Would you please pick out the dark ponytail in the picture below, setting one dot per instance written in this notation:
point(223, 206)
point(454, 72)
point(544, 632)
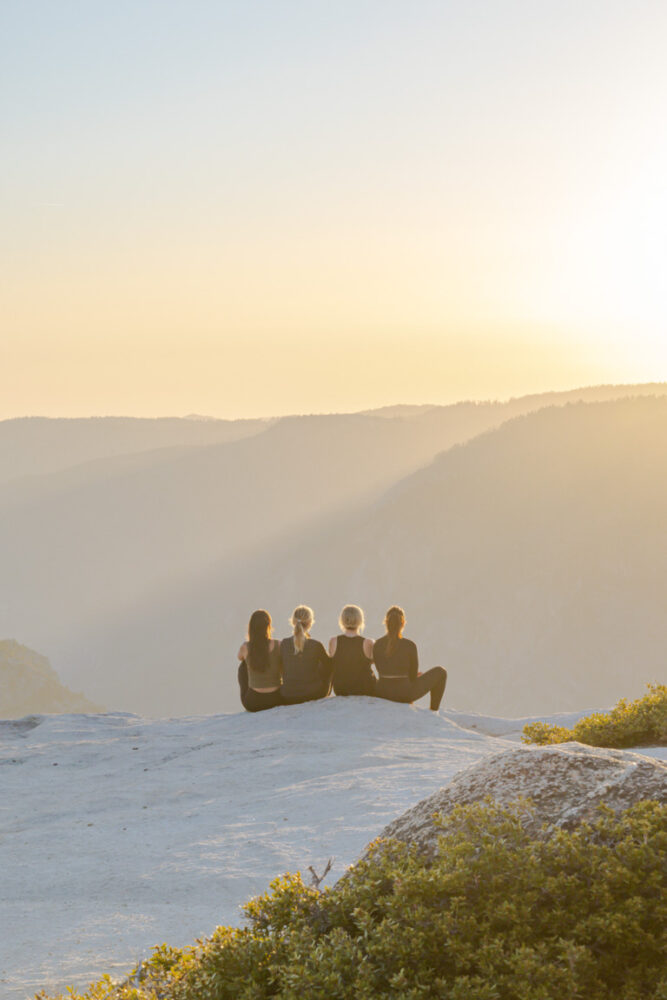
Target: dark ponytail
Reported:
point(259, 633)
point(394, 622)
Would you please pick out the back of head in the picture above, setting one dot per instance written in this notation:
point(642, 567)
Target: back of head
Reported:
point(302, 621)
point(351, 617)
point(259, 634)
point(394, 622)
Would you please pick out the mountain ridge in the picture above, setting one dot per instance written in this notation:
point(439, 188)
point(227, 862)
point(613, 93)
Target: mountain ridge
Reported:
point(38, 435)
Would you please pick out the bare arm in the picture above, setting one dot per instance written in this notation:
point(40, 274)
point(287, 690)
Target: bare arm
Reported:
point(243, 651)
point(368, 648)
point(272, 646)
point(325, 663)
point(413, 669)
point(332, 645)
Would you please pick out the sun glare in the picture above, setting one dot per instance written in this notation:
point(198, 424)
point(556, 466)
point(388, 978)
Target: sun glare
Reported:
point(607, 279)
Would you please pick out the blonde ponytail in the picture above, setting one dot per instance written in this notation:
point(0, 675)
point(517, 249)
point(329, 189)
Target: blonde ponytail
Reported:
point(302, 621)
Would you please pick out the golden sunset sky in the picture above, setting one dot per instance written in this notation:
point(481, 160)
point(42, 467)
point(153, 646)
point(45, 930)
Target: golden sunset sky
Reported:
point(254, 208)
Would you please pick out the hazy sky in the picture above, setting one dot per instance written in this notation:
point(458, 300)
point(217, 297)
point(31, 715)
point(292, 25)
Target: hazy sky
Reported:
point(247, 208)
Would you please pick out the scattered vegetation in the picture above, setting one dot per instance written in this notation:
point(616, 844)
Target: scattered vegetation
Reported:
point(499, 914)
point(629, 724)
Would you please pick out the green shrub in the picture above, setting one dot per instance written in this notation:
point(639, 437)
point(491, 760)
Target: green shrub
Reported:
point(497, 915)
point(629, 724)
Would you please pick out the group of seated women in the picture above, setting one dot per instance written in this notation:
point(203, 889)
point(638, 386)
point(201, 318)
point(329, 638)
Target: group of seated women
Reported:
point(299, 669)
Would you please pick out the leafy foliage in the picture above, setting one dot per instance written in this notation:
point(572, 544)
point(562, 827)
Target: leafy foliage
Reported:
point(499, 914)
point(629, 724)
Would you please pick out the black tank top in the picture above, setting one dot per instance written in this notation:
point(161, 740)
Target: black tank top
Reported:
point(352, 672)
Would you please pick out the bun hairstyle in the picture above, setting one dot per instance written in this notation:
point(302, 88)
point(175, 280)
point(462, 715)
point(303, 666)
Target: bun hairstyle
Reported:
point(302, 621)
point(259, 634)
point(351, 617)
point(394, 622)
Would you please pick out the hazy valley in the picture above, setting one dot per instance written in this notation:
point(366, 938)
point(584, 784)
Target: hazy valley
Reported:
point(525, 541)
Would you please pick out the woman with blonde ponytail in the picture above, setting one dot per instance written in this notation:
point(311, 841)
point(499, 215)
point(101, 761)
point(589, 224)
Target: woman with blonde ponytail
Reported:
point(306, 666)
point(398, 667)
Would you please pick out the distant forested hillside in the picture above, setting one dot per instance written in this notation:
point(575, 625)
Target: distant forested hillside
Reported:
point(529, 553)
point(34, 446)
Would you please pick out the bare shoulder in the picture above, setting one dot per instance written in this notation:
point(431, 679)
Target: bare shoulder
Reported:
point(243, 651)
point(333, 642)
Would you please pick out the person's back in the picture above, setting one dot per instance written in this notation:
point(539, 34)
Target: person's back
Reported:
point(352, 673)
point(306, 674)
point(268, 678)
point(396, 658)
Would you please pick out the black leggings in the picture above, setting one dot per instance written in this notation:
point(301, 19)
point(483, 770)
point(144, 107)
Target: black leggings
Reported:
point(256, 701)
point(364, 685)
point(404, 690)
point(317, 691)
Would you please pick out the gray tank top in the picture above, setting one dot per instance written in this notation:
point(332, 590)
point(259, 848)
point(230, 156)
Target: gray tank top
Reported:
point(271, 677)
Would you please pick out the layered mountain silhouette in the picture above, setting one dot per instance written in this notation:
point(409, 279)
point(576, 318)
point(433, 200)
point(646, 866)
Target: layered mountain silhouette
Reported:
point(531, 558)
point(38, 445)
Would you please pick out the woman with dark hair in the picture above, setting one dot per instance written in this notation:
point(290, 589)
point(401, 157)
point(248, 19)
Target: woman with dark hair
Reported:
point(398, 667)
point(306, 666)
point(260, 672)
point(352, 655)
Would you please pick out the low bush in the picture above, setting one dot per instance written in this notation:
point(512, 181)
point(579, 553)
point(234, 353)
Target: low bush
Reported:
point(499, 914)
point(629, 724)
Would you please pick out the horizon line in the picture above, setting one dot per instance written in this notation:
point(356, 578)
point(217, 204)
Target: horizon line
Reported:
point(346, 413)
